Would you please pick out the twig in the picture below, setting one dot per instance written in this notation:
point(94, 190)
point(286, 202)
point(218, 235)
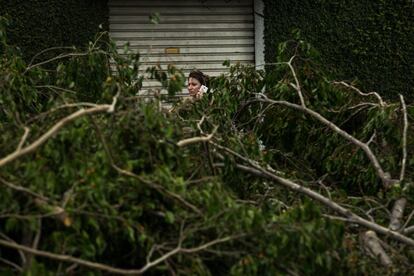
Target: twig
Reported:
point(79, 104)
point(410, 216)
point(381, 102)
point(54, 87)
point(199, 123)
point(22, 189)
point(338, 218)
point(205, 246)
point(15, 266)
point(61, 56)
point(113, 270)
point(371, 139)
point(48, 49)
point(21, 253)
point(408, 230)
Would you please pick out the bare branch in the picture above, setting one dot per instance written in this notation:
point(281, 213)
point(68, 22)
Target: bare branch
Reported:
point(404, 138)
point(381, 102)
point(22, 189)
point(199, 139)
point(296, 86)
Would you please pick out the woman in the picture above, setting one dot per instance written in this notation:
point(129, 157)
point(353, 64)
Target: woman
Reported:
point(197, 84)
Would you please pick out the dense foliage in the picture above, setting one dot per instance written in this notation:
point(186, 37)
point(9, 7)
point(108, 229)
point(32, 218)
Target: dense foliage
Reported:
point(38, 25)
point(367, 41)
point(121, 182)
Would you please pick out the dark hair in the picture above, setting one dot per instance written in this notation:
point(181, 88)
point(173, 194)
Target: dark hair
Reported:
point(198, 75)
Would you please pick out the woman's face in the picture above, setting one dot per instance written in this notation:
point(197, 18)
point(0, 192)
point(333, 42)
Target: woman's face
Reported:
point(193, 86)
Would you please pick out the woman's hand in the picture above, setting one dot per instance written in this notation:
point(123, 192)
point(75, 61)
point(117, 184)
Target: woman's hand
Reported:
point(199, 94)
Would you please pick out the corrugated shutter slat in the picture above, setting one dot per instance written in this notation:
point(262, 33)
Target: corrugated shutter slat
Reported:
point(204, 33)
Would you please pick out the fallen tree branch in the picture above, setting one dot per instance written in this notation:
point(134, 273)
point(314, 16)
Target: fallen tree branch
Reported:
point(386, 180)
point(254, 168)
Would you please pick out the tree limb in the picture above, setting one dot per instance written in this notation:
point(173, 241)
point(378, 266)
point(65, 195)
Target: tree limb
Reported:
point(258, 170)
point(55, 128)
point(386, 180)
point(52, 131)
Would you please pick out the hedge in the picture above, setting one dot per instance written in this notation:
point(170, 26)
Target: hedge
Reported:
point(39, 24)
point(370, 42)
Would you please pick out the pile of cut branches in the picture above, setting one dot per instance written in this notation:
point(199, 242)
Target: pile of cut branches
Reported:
point(286, 172)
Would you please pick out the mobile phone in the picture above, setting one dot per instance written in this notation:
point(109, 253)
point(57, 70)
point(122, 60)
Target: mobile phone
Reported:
point(203, 89)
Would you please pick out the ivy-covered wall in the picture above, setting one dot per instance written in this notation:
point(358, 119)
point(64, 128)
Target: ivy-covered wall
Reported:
point(371, 41)
point(40, 24)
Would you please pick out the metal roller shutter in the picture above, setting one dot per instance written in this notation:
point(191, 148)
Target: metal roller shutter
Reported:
point(192, 34)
